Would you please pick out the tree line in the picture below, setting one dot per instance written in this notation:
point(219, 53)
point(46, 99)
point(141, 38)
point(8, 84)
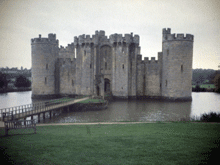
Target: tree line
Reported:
point(21, 81)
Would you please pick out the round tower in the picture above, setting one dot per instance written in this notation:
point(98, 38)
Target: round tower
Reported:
point(44, 52)
point(177, 65)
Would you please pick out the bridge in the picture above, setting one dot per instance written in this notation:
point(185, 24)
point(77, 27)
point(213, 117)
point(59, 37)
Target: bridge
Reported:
point(29, 110)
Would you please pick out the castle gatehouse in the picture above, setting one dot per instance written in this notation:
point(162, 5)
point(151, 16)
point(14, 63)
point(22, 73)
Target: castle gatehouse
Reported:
point(113, 65)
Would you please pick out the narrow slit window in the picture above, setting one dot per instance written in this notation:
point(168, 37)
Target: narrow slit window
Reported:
point(45, 80)
point(123, 66)
point(46, 66)
point(90, 66)
point(166, 83)
point(181, 68)
point(168, 52)
point(72, 83)
point(105, 65)
point(84, 53)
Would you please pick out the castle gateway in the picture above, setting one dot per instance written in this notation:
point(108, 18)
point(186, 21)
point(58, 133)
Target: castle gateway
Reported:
point(99, 65)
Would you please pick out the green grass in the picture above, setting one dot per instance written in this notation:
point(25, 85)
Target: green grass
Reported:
point(154, 143)
point(66, 99)
point(92, 101)
point(212, 86)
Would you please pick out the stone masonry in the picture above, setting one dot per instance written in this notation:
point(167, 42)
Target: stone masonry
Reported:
point(99, 65)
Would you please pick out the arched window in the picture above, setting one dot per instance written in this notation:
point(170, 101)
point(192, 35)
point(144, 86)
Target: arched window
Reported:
point(123, 66)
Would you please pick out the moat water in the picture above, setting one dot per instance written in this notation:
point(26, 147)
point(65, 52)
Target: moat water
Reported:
point(127, 110)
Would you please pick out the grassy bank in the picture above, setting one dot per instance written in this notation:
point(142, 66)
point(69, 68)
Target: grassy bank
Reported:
point(154, 143)
point(93, 101)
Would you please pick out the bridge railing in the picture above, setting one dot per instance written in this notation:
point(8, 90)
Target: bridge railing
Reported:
point(28, 108)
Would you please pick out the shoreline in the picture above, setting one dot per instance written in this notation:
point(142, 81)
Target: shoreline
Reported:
point(14, 90)
point(111, 123)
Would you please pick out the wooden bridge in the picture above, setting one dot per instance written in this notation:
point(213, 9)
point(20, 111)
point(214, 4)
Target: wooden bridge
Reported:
point(23, 111)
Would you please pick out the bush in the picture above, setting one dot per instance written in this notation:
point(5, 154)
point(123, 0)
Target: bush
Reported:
point(22, 81)
point(211, 117)
point(3, 80)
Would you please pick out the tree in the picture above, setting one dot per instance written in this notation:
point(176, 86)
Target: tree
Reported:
point(22, 81)
point(3, 80)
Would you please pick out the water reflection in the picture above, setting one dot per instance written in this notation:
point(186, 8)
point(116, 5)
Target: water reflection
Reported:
point(127, 110)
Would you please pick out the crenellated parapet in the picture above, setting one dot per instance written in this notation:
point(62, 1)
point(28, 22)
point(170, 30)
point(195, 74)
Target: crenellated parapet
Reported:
point(95, 39)
point(128, 38)
point(67, 52)
point(100, 37)
point(68, 48)
point(51, 39)
point(151, 61)
point(167, 36)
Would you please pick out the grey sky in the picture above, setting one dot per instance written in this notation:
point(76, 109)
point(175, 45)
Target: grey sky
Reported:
point(22, 20)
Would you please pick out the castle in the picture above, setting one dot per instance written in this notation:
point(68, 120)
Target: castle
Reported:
point(99, 65)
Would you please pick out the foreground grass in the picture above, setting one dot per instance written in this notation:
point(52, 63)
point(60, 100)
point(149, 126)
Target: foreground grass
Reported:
point(154, 143)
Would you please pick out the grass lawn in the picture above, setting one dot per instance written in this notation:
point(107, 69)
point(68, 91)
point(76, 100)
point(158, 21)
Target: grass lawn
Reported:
point(212, 86)
point(153, 143)
point(92, 101)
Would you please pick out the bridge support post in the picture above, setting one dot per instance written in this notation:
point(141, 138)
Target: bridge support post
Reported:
point(50, 114)
point(25, 121)
point(43, 115)
point(32, 117)
point(39, 118)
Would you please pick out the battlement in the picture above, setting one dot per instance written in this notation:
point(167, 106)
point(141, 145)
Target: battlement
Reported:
point(177, 37)
point(68, 48)
point(147, 61)
point(100, 37)
point(166, 31)
point(139, 57)
point(51, 39)
point(128, 38)
point(51, 36)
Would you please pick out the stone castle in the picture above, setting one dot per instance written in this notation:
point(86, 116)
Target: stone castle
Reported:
point(99, 65)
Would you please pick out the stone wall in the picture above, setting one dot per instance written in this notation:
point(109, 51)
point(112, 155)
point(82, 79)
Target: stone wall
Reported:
point(67, 76)
point(121, 71)
point(152, 77)
point(140, 77)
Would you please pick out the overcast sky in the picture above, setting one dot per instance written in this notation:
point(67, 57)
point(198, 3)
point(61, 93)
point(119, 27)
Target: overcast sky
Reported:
point(21, 20)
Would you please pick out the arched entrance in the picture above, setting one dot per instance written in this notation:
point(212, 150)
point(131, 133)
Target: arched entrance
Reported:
point(107, 86)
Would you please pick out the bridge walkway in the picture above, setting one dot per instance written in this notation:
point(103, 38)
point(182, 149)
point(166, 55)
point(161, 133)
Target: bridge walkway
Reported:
point(15, 113)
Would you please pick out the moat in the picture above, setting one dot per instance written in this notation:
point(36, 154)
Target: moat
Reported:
point(127, 110)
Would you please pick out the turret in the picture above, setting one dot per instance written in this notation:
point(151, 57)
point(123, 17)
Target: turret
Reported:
point(44, 52)
point(177, 55)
